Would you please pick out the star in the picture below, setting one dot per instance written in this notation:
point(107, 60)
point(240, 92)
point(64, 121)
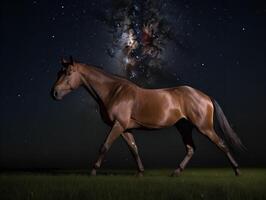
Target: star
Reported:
point(203, 66)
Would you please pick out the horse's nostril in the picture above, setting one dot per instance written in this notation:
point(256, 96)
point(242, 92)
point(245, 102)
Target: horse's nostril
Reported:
point(55, 93)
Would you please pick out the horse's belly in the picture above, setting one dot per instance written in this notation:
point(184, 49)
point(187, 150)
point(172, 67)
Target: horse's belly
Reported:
point(157, 118)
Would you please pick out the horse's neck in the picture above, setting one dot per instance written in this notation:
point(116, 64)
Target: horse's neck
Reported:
point(97, 82)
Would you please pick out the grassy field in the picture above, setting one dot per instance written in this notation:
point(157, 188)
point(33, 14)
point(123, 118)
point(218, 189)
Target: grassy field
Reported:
point(156, 184)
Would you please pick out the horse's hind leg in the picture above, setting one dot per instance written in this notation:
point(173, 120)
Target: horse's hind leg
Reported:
point(128, 137)
point(185, 129)
point(211, 134)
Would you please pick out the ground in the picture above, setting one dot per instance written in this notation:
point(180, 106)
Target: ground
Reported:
point(122, 184)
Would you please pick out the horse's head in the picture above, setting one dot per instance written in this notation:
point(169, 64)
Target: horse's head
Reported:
point(68, 79)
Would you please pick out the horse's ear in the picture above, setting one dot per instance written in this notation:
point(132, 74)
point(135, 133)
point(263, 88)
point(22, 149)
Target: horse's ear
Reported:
point(63, 61)
point(71, 61)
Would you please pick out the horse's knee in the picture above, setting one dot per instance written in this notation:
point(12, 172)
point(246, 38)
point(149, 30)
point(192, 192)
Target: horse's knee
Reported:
point(103, 149)
point(190, 150)
point(134, 146)
point(222, 146)
point(135, 152)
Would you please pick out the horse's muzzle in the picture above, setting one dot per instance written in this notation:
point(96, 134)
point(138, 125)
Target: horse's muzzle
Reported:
point(55, 94)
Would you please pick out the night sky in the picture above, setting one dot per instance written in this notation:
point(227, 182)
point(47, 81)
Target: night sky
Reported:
point(218, 47)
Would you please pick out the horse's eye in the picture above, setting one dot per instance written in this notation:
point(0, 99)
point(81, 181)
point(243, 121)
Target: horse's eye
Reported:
point(68, 73)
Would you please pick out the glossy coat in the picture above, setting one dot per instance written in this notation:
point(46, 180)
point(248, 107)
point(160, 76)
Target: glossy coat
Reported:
point(126, 106)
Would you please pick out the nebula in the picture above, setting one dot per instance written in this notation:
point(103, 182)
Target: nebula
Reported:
point(140, 32)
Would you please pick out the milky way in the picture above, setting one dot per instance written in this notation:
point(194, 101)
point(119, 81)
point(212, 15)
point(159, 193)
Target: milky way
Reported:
point(141, 31)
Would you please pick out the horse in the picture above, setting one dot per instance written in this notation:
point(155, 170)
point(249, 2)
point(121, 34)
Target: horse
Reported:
point(126, 106)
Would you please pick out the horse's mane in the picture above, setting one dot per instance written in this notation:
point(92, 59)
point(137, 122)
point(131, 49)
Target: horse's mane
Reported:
point(111, 75)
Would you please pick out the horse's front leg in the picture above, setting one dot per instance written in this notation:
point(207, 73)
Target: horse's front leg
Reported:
point(116, 131)
point(128, 137)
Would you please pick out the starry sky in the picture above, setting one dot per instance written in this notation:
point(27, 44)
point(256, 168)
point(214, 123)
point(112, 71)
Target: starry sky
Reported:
point(218, 47)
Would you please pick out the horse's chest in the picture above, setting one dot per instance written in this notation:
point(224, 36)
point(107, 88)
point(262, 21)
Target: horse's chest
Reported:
point(119, 109)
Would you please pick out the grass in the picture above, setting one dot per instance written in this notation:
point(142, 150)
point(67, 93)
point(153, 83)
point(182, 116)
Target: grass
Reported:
point(156, 184)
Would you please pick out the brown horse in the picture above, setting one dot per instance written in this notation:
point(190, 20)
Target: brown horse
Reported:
point(126, 106)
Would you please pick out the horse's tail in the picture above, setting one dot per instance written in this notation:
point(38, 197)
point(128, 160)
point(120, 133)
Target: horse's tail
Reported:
point(228, 132)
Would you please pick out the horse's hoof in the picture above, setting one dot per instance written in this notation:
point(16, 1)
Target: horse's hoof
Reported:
point(176, 173)
point(139, 174)
point(93, 172)
point(237, 172)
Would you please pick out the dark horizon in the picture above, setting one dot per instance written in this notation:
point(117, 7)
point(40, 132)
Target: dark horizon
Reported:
point(224, 57)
